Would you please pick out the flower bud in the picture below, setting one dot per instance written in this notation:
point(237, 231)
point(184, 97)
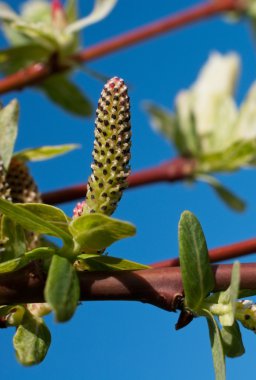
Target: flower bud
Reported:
point(246, 314)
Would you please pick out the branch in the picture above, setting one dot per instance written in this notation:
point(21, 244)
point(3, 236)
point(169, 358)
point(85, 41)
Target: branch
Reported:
point(36, 73)
point(160, 287)
point(226, 252)
point(171, 171)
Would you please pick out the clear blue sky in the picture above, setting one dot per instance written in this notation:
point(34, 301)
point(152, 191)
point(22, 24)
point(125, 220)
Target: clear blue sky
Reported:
point(118, 340)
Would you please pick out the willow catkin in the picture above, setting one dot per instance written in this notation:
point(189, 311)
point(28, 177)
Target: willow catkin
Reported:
point(111, 154)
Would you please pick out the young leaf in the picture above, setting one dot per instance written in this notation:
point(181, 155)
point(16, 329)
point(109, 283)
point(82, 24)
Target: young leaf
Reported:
point(44, 152)
point(32, 222)
point(49, 213)
point(71, 10)
point(62, 290)
point(15, 244)
point(58, 88)
point(98, 231)
point(217, 348)
point(231, 200)
point(31, 340)
point(229, 296)
point(104, 263)
point(232, 340)
point(197, 276)
point(101, 9)
point(8, 131)
point(22, 261)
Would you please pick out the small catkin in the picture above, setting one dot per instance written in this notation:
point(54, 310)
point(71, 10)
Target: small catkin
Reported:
point(111, 153)
point(246, 314)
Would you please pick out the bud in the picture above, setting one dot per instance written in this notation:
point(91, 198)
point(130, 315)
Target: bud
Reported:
point(111, 153)
point(5, 191)
point(246, 314)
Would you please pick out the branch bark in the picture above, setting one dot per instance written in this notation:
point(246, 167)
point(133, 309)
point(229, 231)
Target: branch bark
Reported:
point(226, 252)
point(160, 287)
point(171, 171)
point(38, 72)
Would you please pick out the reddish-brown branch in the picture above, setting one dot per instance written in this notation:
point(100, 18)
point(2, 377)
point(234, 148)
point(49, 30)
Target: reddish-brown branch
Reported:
point(160, 287)
point(38, 72)
point(227, 252)
point(170, 171)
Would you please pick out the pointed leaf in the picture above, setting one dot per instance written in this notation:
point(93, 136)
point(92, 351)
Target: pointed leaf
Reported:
point(49, 213)
point(232, 341)
point(197, 276)
point(104, 263)
point(98, 231)
point(217, 348)
point(71, 10)
point(229, 296)
point(8, 131)
point(32, 222)
point(62, 290)
point(231, 200)
point(31, 340)
point(67, 95)
point(45, 152)
point(101, 9)
point(20, 262)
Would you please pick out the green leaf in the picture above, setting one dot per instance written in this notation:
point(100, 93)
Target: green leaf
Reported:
point(217, 348)
point(62, 290)
point(105, 263)
point(97, 231)
point(67, 95)
point(14, 237)
point(229, 296)
point(232, 341)
point(51, 214)
point(20, 262)
point(100, 10)
point(32, 222)
point(18, 57)
point(71, 10)
point(8, 131)
point(197, 276)
point(31, 340)
point(231, 200)
point(45, 152)
point(245, 293)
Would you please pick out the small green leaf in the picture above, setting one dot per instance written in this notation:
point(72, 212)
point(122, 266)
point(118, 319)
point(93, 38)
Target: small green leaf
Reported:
point(100, 10)
point(8, 131)
point(32, 222)
point(231, 200)
point(71, 10)
point(229, 296)
point(31, 340)
point(245, 293)
point(14, 237)
point(197, 276)
point(232, 341)
point(20, 262)
point(62, 290)
point(105, 263)
point(44, 152)
point(217, 348)
point(51, 214)
point(97, 231)
point(59, 89)
point(18, 57)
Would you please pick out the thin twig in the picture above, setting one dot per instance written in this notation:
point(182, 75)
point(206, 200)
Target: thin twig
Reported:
point(226, 252)
point(160, 287)
point(38, 72)
point(171, 171)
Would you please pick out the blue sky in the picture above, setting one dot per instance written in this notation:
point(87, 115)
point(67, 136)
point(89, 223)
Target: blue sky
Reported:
point(113, 340)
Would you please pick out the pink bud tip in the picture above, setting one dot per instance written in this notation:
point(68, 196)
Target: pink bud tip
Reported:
point(78, 210)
